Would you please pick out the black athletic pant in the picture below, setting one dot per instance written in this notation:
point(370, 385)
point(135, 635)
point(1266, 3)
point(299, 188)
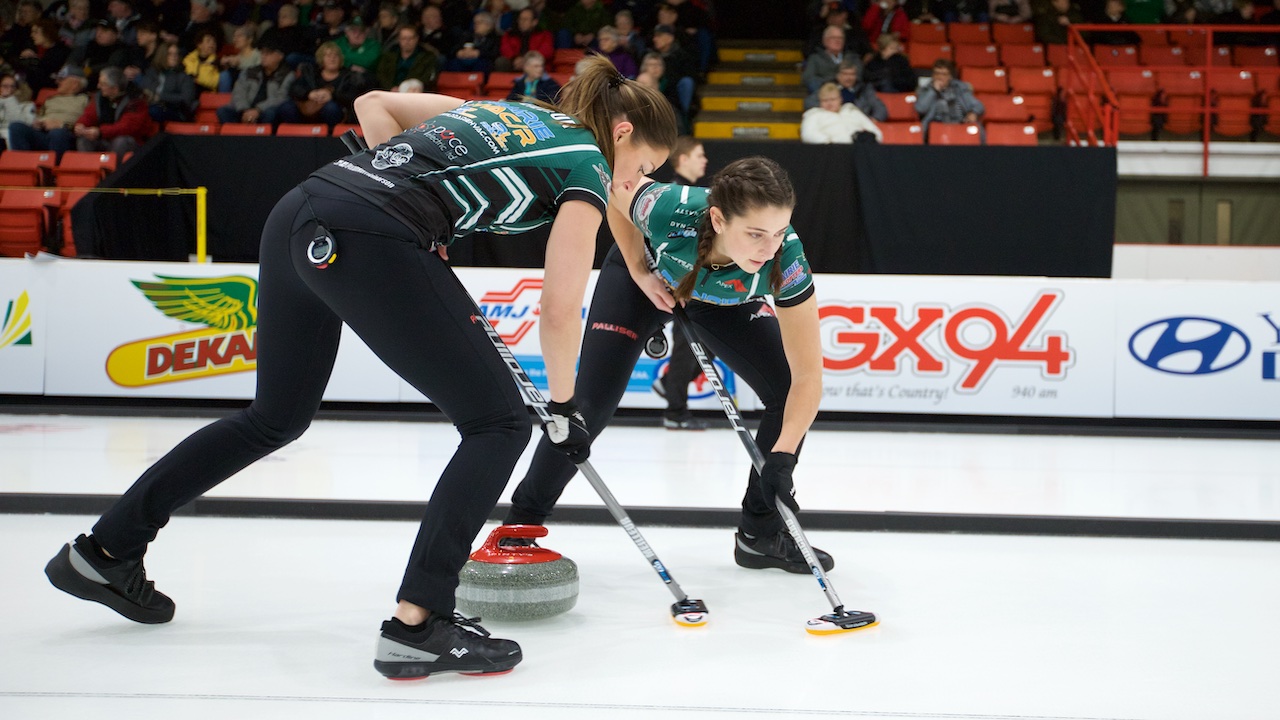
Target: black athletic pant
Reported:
point(620, 320)
point(409, 308)
point(681, 370)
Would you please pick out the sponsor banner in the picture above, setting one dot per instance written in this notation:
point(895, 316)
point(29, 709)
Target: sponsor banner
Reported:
point(990, 346)
point(509, 299)
point(1198, 350)
point(174, 330)
point(24, 326)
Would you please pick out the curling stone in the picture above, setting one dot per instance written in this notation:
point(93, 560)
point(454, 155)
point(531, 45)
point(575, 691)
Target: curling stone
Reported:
point(517, 582)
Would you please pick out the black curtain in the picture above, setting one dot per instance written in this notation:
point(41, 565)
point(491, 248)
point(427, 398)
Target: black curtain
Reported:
point(860, 209)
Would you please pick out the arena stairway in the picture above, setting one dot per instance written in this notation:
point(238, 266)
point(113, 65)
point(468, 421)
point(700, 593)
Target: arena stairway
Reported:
point(754, 93)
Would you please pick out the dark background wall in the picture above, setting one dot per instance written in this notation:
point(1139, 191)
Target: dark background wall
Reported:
point(861, 209)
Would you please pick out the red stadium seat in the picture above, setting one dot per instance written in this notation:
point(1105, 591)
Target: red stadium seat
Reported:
point(1232, 118)
point(191, 128)
point(1116, 55)
point(83, 169)
point(1004, 108)
point(970, 33)
point(901, 106)
point(1011, 134)
point(1039, 80)
point(1161, 56)
point(1022, 55)
point(301, 130)
point(986, 80)
point(954, 134)
point(1013, 34)
point(1059, 56)
point(25, 219)
point(1132, 81)
point(207, 107)
point(1152, 38)
point(902, 133)
point(27, 167)
point(1239, 83)
point(341, 128)
point(460, 84)
point(924, 55)
point(500, 84)
point(977, 55)
point(68, 200)
point(932, 33)
point(1248, 56)
point(245, 129)
point(565, 59)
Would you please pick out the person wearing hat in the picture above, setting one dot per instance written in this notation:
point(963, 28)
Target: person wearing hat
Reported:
point(333, 16)
point(106, 50)
point(259, 91)
point(359, 51)
point(52, 129)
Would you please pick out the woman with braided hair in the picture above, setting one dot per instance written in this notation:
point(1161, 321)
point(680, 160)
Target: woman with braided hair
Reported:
point(719, 252)
point(439, 170)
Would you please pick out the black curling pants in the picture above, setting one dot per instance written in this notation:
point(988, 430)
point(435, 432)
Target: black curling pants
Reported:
point(745, 337)
point(407, 305)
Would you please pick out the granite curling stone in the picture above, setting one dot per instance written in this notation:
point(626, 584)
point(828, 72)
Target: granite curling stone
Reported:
point(517, 581)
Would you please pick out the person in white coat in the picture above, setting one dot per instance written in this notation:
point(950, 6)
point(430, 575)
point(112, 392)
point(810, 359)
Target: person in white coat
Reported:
point(832, 123)
point(13, 106)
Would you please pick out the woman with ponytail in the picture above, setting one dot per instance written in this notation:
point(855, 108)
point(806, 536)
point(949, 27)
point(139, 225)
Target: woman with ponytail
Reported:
point(719, 252)
point(364, 241)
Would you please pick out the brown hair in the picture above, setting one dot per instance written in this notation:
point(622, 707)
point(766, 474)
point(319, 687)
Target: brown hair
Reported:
point(742, 186)
point(598, 96)
point(685, 144)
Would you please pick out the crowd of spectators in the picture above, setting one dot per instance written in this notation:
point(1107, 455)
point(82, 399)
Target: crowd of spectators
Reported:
point(132, 65)
point(843, 73)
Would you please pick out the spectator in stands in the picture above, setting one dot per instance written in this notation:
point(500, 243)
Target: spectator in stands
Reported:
point(535, 82)
point(886, 16)
point(202, 20)
point(46, 56)
point(820, 67)
point(316, 93)
point(855, 39)
point(890, 70)
point(126, 20)
point(359, 51)
point(524, 38)
point(52, 129)
point(653, 74)
point(608, 46)
point(580, 23)
point(1114, 15)
point(1052, 21)
point(693, 27)
point(168, 15)
point(259, 91)
point(245, 56)
point(257, 15)
point(106, 50)
point(297, 43)
point(406, 59)
point(77, 30)
point(1009, 11)
point(13, 107)
point(434, 33)
point(1199, 12)
point(202, 62)
point(628, 36)
point(832, 122)
point(679, 67)
point(1245, 13)
point(142, 54)
point(947, 99)
point(387, 25)
point(116, 119)
point(17, 37)
point(478, 47)
point(333, 17)
point(172, 90)
point(503, 17)
point(853, 91)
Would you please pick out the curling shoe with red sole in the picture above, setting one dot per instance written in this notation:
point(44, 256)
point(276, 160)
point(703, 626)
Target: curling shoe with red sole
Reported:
point(442, 644)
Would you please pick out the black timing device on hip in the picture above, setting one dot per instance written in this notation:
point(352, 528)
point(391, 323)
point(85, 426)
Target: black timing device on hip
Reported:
point(323, 250)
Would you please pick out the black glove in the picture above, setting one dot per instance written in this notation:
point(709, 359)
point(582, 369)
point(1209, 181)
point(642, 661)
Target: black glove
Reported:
point(568, 431)
point(775, 480)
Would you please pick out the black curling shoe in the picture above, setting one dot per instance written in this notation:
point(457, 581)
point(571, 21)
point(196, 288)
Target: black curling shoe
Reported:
point(442, 644)
point(775, 551)
point(80, 569)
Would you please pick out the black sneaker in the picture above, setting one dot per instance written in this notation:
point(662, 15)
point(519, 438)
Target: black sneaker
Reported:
point(80, 569)
point(775, 551)
point(683, 421)
point(442, 644)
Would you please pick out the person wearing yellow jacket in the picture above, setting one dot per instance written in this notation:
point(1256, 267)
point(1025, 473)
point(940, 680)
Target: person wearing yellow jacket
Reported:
point(202, 63)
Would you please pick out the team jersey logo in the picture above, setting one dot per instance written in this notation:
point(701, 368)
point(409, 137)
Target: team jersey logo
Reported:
point(393, 156)
point(605, 179)
point(644, 208)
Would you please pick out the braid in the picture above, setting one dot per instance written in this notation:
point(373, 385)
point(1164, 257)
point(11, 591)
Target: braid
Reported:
point(706, 233)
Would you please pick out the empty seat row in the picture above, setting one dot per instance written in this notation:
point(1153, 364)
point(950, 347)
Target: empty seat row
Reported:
point(912, 133)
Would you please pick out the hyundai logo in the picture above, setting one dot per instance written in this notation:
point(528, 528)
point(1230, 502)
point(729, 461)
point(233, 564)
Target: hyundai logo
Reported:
point(1189, 345)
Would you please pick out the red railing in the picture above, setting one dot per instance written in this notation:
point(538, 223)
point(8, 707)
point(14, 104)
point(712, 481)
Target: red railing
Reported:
point(1093, 110)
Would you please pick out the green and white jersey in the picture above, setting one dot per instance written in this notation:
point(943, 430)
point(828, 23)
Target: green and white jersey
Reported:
point(497, 167)
point(669, 216)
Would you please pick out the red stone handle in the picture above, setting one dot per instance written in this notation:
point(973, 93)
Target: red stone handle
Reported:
point(491, 552)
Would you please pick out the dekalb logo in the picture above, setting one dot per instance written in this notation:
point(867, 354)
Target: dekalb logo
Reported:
point(228, 308)
point(1189, 345)
point(15, 326)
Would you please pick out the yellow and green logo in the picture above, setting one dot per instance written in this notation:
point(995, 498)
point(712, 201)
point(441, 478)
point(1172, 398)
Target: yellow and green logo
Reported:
point(16, 328)
point(226, 306)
